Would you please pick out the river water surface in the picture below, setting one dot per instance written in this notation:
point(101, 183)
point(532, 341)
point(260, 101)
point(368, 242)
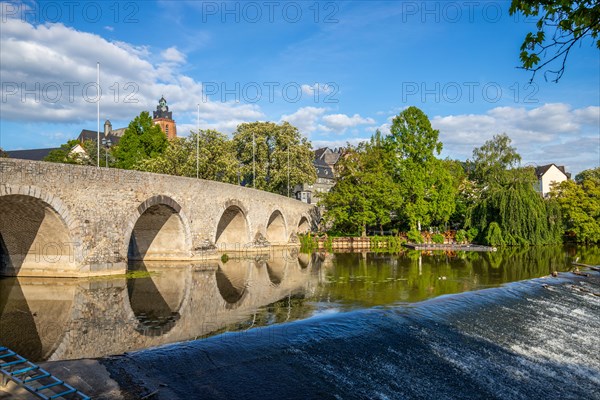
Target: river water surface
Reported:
point(348, 325)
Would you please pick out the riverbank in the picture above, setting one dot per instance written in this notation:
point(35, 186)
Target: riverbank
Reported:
point(515, 341)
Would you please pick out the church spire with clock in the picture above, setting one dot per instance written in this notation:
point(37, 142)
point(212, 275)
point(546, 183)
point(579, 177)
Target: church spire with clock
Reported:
point(163, 117)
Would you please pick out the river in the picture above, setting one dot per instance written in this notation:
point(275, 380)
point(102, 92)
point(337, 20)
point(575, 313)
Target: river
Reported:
point(348, 325)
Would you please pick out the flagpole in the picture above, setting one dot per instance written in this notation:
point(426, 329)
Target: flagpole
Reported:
point(98, 112)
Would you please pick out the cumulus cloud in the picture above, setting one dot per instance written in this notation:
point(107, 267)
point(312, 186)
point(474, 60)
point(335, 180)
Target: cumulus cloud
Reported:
point(49, 76)
point(317, 144)
point(552, 133)
point(173, 55)
point(317, 89)
point(340, 122)
point(306, 119)
point(314, 120)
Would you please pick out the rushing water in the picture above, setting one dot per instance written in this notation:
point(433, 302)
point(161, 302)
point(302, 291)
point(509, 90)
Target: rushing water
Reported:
point(348, 325)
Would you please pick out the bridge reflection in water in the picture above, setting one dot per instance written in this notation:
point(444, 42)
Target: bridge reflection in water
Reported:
point(57, 319)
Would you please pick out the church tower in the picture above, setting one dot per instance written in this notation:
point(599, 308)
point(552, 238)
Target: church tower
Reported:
point(163, 117)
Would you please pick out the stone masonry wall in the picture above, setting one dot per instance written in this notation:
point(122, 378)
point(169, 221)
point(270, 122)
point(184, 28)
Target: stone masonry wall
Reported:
point(100, 207)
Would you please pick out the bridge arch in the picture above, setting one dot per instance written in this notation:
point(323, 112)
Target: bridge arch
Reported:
point(34, 314)
point(157, 301)
point(303, 225)
point(232, 280)
point(158, 230)
point(232, 228)
point(38, 235)
point(276, 231)
point(276, 269)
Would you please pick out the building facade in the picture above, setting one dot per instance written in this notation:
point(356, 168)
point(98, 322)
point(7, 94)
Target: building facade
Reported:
point(324, 163)
point(549, 174)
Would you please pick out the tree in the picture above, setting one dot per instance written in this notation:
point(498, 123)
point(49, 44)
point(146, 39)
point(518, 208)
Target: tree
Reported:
point(569, 22)
point(465, 191)
point(506, 197)
point(142, 139)
point(412, 137)
point(66, 154)
point(91, 149)
point(216, 158)
point(274, 145)
point(579, 203)
point(3, 154)
point(424, 183)
point(365, 193)
point(492, 161)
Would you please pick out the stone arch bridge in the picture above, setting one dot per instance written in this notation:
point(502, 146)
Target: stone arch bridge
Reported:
point(70, 220)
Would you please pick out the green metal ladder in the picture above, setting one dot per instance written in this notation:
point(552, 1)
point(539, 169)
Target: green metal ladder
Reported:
point(34, 379)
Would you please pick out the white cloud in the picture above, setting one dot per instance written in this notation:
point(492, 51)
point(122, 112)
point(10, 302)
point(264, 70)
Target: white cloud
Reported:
point(45, 69)
point(173, 55)
point(317, 89)
point(317, 144)
point(340, 122)
point(109, 28)
point(306, 119)
point(550, 133)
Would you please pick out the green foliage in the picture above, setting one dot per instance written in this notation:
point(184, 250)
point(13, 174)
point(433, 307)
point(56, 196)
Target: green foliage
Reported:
point(142, 140)
point(493, 160)
point(463, 188)
point(365, 193)
point(437, 238)
point(273, 144)
point(472, 234)
point(579, 202)
point(461, 236)
point(414, 236)
point(413, 138)
point(589, 175)
point(386, 243)
point(493, 236)
point(561, 24)
point(216, 158)
point(328, 244)
point(91, 150)
point(522, 214)
point(65, 154)
point(425, 183)
point(506, 196)
point(308, 243)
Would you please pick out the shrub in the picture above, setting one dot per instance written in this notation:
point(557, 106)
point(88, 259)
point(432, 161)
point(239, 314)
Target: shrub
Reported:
point(494, 235)
point(386, 243)
point(461, 236)
point(437, 238)
point(472, 234)
point(308, 243)
point(414, 236)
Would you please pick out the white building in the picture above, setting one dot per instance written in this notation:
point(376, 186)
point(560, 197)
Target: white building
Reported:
point(549, 174)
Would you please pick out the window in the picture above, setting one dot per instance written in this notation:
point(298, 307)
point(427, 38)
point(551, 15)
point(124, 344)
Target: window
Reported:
point(167, 129)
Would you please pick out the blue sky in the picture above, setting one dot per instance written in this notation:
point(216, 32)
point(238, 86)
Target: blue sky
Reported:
point(247, 61)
